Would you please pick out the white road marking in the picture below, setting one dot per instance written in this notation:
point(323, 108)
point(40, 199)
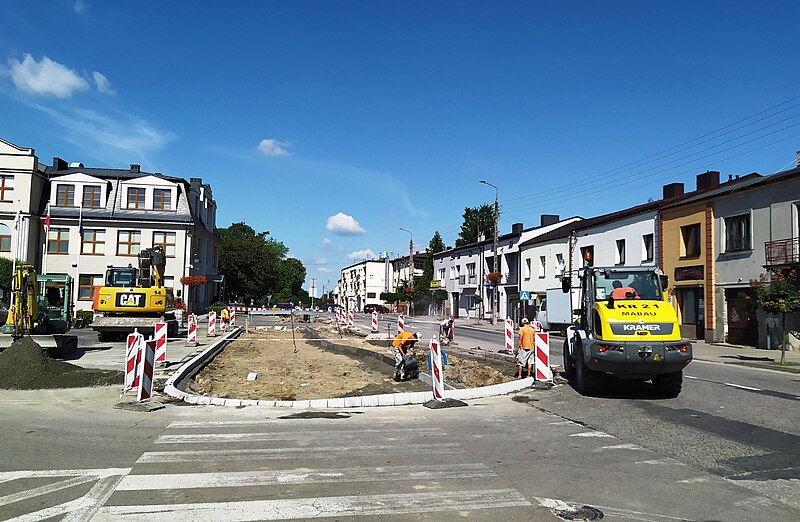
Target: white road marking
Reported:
point(319, 507)
point(99, 472)
point(330, 452)
point(302, 476)
point(44, 490)
point(80, 509)
point(599, 434)
point(662, 462)
point(555, 504)
point(561, 423)
point(690, 377)
point(622, 447)
point(194, 438)
point(740, 386)
point(695, 480)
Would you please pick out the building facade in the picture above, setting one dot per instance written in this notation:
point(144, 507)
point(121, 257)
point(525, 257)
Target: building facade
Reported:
point(99, 218)
point(362, 284)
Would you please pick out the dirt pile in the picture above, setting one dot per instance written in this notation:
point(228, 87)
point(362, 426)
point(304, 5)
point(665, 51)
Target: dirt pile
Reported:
point(472, 374)
point(25, 366)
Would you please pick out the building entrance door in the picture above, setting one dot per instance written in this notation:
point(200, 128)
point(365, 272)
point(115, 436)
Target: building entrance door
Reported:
point(692, 307)
point(742, 321)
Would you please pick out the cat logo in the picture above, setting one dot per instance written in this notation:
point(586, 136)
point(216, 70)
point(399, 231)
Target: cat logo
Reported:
point(130, 300)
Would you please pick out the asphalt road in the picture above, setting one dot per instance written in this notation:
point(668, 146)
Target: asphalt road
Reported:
point(726, 449)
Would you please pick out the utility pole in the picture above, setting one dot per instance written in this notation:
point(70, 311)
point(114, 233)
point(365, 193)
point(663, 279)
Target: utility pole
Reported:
point(495, 268)
point(313, 290)
point(411, 269)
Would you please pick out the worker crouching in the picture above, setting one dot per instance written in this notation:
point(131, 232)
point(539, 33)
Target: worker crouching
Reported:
point(405, 364)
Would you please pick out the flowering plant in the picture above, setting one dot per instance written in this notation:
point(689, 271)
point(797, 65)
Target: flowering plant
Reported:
point(193, 280)
point(494, 277)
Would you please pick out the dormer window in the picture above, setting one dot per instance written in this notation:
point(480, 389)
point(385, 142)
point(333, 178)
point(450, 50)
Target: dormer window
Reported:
point(136, 198)
point(65, 195)
point(91, 196)
point(162, 199)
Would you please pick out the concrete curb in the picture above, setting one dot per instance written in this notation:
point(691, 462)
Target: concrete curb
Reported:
point(388, 399)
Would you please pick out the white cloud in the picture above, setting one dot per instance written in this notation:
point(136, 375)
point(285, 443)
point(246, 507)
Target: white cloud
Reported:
point(102, 83)
point(273, 147)
point(361, 254)
point(80, 6)
point(45, 78)
point(344, 225)
point(326, 243)
point(325, 269)
point(319, 261)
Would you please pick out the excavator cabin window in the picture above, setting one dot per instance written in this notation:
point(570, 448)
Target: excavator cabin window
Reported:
point(121, 277)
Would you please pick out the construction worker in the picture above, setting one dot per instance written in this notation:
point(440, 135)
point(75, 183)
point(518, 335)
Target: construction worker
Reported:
point(525, 348)
point(403, 344)
point(224, 317)
point(623, 292)
point(446, 330)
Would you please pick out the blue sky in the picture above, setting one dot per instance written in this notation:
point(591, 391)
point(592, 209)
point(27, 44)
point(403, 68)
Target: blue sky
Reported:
point(333, 124)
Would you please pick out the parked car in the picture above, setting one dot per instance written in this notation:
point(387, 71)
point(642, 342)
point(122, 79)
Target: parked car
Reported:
point(376, 308)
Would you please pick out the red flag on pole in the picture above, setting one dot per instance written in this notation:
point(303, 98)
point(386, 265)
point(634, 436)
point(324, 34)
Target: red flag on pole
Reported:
point(47, 218)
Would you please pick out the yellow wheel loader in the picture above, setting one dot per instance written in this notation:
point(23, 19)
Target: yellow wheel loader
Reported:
point(134, 299)
point(626, 328)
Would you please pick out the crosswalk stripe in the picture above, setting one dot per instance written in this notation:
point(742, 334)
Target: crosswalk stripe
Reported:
point(278, 422)
point(50, 488)
point(302, 476)
point(289, 453)
point(194, 438)
point(319, 507)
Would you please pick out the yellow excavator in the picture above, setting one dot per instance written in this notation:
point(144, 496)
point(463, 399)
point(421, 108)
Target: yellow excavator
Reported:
point(134, 298)
point(41, 308)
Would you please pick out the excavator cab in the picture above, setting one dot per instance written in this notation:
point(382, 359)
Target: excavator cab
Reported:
point(121, 277)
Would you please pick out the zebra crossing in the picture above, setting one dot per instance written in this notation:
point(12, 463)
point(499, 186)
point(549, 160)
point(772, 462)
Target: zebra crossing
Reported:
point(274, 470)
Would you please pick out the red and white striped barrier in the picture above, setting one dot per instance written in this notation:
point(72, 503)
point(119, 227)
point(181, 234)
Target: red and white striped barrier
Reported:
point(191, 332)
point(146, 369)
point(212, 323)
point(509, 335)
point(161, 342)
point(537, 325)
point(542, 344)
point(133, 349)
point(350, 319)
point(374, 322)
point(401, 323)
point(232, 313)
point(437, 370)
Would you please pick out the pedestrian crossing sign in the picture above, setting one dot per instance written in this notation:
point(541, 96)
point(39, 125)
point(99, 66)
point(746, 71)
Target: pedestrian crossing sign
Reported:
point(524, 295)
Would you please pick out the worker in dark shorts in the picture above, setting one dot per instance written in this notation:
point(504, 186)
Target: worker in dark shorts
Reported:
point(403, 344)
point(525, 357)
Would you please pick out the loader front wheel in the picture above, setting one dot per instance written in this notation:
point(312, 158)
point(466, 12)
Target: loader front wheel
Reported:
point(585, 379)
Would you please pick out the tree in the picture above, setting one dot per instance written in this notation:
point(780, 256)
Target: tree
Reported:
point(253, 265)
point(780, 294)
point(6, 266)
point(435, 246)
point(292, 275)
point(477, 220)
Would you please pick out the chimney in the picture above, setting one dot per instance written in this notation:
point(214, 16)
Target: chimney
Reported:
point(673, 190)
point(548, 219)
point(59, 164)
point(516, 228)
point(709, 179)
point(136, 169)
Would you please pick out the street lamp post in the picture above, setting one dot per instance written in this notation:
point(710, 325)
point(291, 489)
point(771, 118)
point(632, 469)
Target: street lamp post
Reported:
point(410, 269)
point(495, 268)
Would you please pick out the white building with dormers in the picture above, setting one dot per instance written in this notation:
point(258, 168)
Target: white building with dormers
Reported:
point(119, 212)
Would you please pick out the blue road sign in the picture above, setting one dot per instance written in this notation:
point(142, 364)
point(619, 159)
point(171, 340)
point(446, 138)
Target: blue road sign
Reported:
point(524, 295)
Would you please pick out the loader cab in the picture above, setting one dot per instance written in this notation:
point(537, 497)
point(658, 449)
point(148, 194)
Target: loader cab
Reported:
point(122, 277)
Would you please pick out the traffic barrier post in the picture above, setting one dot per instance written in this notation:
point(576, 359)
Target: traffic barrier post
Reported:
point(233, 317)
point(212, 323)
point(374, 321)
point(161, 342)
point(509, 335)
point(133, 349)
point(437, 369)
point(401, 323)
point(350, 319)
point(191, 332)
point(146, 369)
point(542, 369)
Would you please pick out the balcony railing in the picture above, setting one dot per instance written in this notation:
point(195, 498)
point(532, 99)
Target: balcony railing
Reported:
point(782, 251)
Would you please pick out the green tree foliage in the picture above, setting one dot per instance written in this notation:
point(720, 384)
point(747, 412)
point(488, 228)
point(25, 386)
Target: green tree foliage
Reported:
point(423, 284)
point(6, 266)
point(477, 220)
point(780, 294)
point(256, 265)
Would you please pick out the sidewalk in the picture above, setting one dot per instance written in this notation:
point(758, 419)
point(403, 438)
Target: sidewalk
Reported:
point(703, 351)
